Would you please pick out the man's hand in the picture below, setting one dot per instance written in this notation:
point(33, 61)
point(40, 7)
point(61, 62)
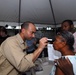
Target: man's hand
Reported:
point(43, 42)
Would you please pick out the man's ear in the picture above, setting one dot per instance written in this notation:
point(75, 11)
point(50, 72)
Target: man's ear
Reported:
point(23, 30)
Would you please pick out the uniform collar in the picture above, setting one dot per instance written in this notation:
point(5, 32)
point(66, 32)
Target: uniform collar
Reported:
point(20, 39)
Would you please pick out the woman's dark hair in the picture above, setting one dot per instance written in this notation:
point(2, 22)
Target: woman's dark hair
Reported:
point(68, 36)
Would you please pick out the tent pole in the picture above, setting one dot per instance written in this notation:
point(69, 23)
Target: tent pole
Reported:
point(19, 12)
point(53, 15)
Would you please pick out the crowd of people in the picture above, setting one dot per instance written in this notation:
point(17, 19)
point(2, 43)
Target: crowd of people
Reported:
point(17, 54)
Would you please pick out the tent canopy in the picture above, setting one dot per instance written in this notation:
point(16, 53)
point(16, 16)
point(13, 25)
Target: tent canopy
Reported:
point(38, 11)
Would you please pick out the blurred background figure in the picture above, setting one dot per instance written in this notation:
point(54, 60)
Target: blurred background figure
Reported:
point(3, 34)
point(31, 45)
point(67, 25)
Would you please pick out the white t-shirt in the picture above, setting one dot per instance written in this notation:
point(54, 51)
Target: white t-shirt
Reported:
point(72, 59)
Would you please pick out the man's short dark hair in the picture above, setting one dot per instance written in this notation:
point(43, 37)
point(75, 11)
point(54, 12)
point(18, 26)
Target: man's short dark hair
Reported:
point(26, 24)
point(69, 21)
